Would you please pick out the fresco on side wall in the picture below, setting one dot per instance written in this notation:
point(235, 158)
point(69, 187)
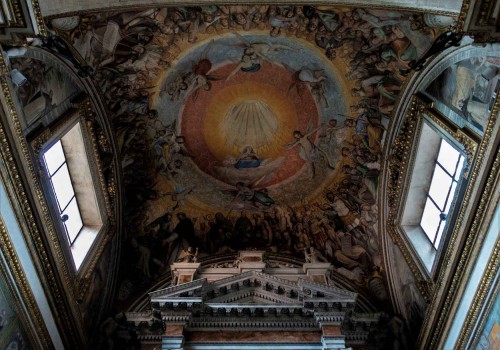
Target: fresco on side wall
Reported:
point(45, 88)
point(12, 334)
point(469, 88)
point(489, 338)
point(246, 127)
point(414, 304)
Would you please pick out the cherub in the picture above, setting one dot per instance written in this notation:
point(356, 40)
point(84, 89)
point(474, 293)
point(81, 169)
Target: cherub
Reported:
point(176, 87)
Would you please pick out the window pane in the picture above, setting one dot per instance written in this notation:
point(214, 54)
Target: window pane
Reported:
point(74, 222)
point(62, 186)
point(430, 219)
point(448, 157)
point(440, 185)
point(54, 157)
point(452, 195)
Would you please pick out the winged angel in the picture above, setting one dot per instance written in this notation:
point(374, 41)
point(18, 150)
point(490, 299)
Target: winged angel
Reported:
point(191, 83)
point(308, 149)
point(254, 54)
point(248, 196)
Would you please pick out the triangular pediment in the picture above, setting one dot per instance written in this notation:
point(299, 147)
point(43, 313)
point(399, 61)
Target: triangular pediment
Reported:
point(327, 291)
point(179, 291)
point(252, 295)
point(252, 287)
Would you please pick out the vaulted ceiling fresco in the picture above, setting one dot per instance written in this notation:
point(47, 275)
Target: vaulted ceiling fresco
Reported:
point(250, 126)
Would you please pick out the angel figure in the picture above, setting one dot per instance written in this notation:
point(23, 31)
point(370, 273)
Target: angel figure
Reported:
point(254, 54)
point(314, 256)
point(308, 149)
point(248, 193)
point(201, 79)
point(312, 78)
point(168, 145)
point(172, 146)
point(188, 255)
point(192, 82)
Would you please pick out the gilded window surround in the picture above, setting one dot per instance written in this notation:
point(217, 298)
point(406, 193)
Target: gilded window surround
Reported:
point(400, 166)
point(431, 289)
point(33, 232)
point(471, 241)
point(72, 322)
point(85, 116)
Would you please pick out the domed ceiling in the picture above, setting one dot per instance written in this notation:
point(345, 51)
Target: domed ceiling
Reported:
point(250, 126)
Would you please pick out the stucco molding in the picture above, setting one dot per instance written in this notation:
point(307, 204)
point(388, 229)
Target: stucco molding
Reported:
point(32, 233)
point(100, 138)
point(38, 333)
point(128, 5)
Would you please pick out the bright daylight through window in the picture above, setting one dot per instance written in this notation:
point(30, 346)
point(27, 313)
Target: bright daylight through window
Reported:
point(441, 193)
point(429, 206)
point(74, 193)
point(64, 192)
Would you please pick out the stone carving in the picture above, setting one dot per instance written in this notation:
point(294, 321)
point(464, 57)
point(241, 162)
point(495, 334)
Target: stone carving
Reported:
point(188, 255)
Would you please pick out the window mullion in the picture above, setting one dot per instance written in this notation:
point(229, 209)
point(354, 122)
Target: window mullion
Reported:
point(58, 168)
point(69, 202)
point(71, 242)
point(444, 169)
point(436, 235)
point(434, 202)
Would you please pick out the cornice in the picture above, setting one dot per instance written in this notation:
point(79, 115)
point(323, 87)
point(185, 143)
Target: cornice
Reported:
point(175, 3)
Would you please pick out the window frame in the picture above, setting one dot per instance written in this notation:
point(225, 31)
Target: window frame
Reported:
point(40, 142)
point(428, 254)
point(73, 196)
point(448, 202)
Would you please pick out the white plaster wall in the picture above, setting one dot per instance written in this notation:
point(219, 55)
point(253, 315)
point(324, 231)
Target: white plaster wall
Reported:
point(55, 7)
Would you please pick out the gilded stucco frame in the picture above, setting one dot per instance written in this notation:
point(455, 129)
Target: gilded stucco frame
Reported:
point(17, 13)
point(83, 115)
point(38, 216)
point(400, 163)
point(16, 281)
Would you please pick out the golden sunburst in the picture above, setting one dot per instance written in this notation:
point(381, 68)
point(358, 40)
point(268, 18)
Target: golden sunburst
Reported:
point(282, 108)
